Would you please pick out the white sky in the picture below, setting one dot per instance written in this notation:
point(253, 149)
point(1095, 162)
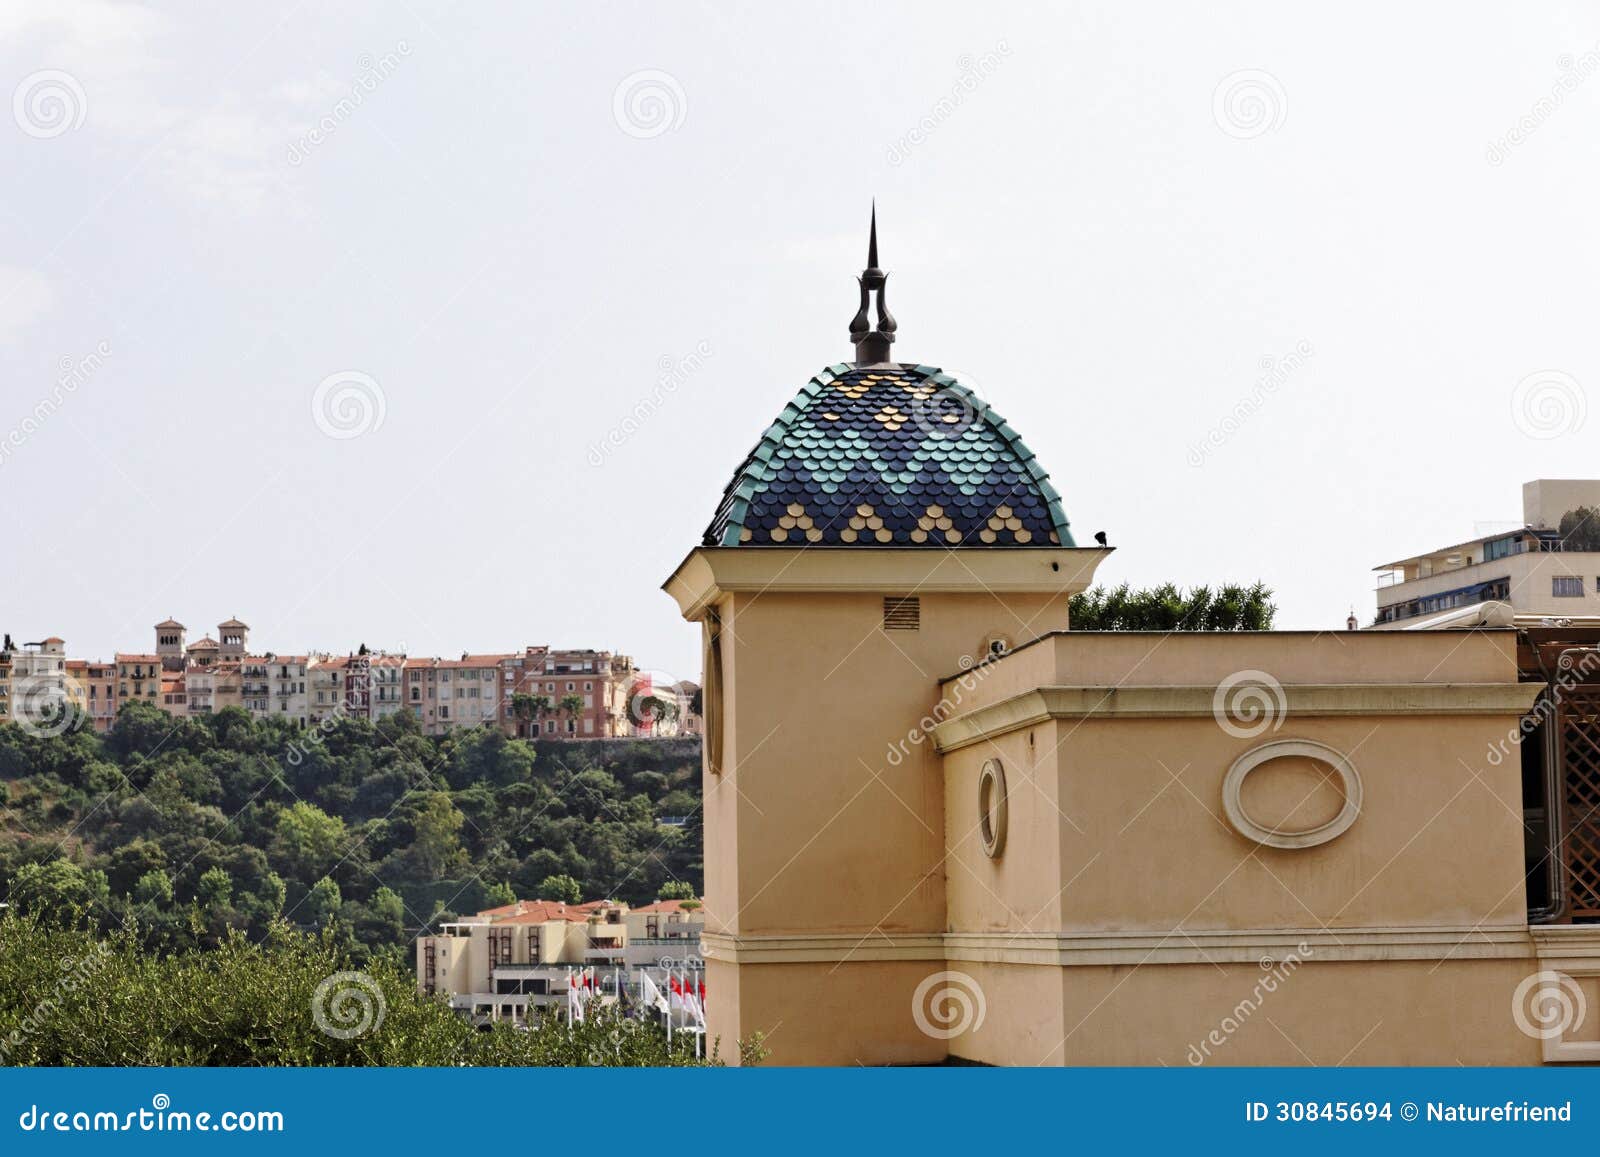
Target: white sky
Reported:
point(1086, 236)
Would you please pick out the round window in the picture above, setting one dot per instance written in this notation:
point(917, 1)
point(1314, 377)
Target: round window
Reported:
point(992, 808)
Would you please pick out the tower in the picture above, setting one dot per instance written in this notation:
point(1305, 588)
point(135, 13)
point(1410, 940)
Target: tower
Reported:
point(234, 640)
point(888, 530)
point(170, 644)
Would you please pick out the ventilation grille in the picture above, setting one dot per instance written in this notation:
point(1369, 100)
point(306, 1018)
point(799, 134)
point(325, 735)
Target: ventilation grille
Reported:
point(902, 614)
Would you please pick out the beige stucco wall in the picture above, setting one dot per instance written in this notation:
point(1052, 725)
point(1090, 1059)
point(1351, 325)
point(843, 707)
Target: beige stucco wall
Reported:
point(1126, 915)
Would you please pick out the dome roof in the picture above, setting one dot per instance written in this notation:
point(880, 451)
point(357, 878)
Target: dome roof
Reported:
point(886, 454)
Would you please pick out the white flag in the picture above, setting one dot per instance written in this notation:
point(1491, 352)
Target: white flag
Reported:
point(652, 995)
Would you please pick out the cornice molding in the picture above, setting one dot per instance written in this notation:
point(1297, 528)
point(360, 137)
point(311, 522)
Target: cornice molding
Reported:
point(1259, 946)
point(710, 572)
point(1302, 700)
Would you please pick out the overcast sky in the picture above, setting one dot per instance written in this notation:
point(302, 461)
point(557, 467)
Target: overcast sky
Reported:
point(351, 299)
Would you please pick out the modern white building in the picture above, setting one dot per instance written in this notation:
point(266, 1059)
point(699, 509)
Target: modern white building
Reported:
point(502, 962)
point(1525, 576)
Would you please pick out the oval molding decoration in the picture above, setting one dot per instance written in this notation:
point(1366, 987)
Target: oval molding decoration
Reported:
point(992, 808)
point(1349, 784)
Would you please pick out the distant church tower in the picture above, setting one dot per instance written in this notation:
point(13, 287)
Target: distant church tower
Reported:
point(234, 639)
point(169, 644)
point(888, 530)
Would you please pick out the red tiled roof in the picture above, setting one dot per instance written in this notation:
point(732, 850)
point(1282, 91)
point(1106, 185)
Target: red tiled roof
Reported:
point(129, 657)
point(541, 911)
point(667, 906)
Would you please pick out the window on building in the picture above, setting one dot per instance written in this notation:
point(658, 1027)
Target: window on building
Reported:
point(1566, 586)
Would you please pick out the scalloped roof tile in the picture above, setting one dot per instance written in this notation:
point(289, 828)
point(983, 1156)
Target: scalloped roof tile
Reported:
point(889, 455)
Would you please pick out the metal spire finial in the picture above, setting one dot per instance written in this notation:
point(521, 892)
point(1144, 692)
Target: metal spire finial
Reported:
point(872, 343)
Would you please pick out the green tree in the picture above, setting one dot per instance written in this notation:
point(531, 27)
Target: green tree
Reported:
point(500, 895)
point(322, 902)
point(265, 1003)
point(307, 840)
point(154, 889)
point(1580, 529)
point(676, 890)
point(572, 707)
point(215, 890)
point(59, 891)
point(561, 887)
point(1167, 608)
point(437, 846)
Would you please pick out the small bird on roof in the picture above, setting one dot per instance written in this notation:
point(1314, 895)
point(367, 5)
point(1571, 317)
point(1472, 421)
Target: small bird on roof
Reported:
point(1100, 537)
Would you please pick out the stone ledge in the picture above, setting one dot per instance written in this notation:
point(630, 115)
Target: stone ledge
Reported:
point(1304, 700)
point(1055, 949)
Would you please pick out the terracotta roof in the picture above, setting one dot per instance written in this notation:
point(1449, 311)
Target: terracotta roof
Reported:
point(207, 642)
point(233, 623)
point(53, 639)
point(668, 906)
point(77, 664)
point(130, 657)
point(170, 624)
point(541, 912)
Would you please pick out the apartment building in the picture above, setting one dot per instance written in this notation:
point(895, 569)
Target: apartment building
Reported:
point(1528, 575)
point(575, 694)
point(451, 693)
point(502, 962)
point(92, 688)
point(38, 679)
point(325, 678)
point(286, 683)
point(174, 694)
point(138, 677)
point(385, 684)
